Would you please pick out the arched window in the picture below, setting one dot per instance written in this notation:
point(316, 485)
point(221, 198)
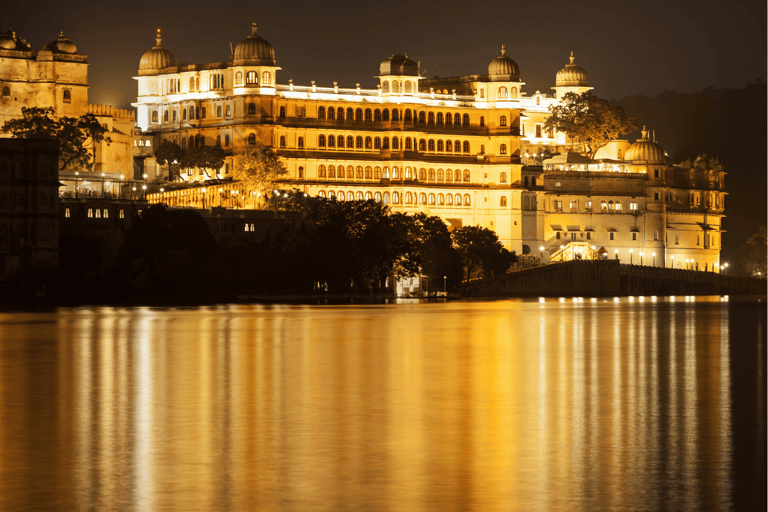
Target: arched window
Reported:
point(502, 92)
point(67, 95)
point(384, 115)
point(184, 114)
point(266, 78)
point(408, 198)
point(218, 111)
point(218, 140)
point(396, 143)
point(368, 173)
point(321, 112)
point(385, 143)
point(282, 141)
point(191, 84)
point(408, 117)
point(359, 172)
point(252, 79)
point(395, 87)
point(422, 145)
point(431, 145)
point(202, 113)
point(503, 177)
point(466, 175)
point(526, 203)
point(440, 175)
point(321, 141)
point(332, 195)
point(466, 146)
point(183, 143)
point(431, 175)
point(440, 199)
point(340, 195)
point(191, 113)
point(331, 171)
point(503, 201)
point(340, 142)
point(368, 115)
point(377, 173)
point(350, 114)
point(422, 198)
point(467, 202)
point(431, 199)
point(368, 143)
point(351, 142)
point(226, 141)
point(395, 173)
point(482, 121)
point(359, 142)
point(440, 145)
point(395, 115)
point(457, 199)
point(385, 174)
point(377, 143)
point(449, 175)
point(458, 176)
point(503, 149)
point(165, 116)
point(533, 181)
point(408, 88)
point(282, 112)
point(422, 117)
point(238, 79)
point(252, 138)
point(340, 114)
point(503, 121)
point(350, 172)
point(449, 200)
point(331, 141)
point(513, 92)
point(465, 120)
point(407, 173)
point(395, 197)
point(385, 87)
point(440, 118)
point(482, 93)
point(368, 196)
point(301, 142)
point(431, 118)
point(331, 113)
point(423, 174)
point(251, 108)
point(358, 114)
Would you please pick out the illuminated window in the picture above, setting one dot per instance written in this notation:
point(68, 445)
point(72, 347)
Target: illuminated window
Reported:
point(385, 87)
point(457, 200)
point(238, 79)
point(282, 141)
point(368, 143)
point(458, 176)
point(67, 96)
point(321, 112)
point(503, 177)
point(359, 172)
point(350, 172)
point(503, 121)
point(408, 88)
point(395, 197)
point(466, 146)
point(331, 113)
point(395, 87)
point(331, 141)
point(90, 213)
point(377, 143)
point(408, 198)
point(321, 141)
point(449, 175)
point(105, 214)
point(431, 145)
point(67, 213)
point(377, 173)
point(368, 173)
point(503, 149)
point(282, 112)
point(633, 206)
point(266, 78)
point(502, 93)
point(251, 78)
point(321, 173)
point(368, 115)
point(440, 146)
point(252, 139)
point(423, 198)
point(191, 84)
point(466, 176)
point(301, 142)
point(503, 201)
point(331, 171)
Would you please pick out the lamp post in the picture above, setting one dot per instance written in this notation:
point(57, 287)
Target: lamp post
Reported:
point(616, 251)
point(686, 263)
point(541, 254)
point(630, 256)
point(144, 192)
point(641, 258)
point(594, 254)
point(445, 285)
point(726, 268)
point(277, 202)
point(654, 259)
point(221, 191)
point(102, 184)
point(203, 191)
point(673, 261)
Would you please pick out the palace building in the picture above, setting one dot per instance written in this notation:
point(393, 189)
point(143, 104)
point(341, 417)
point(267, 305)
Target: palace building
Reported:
point(472, 150)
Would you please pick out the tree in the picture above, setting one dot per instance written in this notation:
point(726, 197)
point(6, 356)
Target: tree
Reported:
point(204, 157)
point(590, 120)
point(77, 136)
point(755, 253)
point(168, 153)
point(258, 168)
point(481, 252)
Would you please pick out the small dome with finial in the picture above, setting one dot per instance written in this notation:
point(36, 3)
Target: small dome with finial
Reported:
point(254, 51)
point(7, 40)
point(398, 65)
point(62, 45)
point(572, 75)
point(645, 150)
point(157, 58)
point(503, 68)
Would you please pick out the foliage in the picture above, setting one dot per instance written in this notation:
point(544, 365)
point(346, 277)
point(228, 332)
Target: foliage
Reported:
point(204, 157)
point(77, 136)
point(258, 168)
point(481, 252)
point(755, 254)
point(437, 256)
point(169, 153)
point(590, 120)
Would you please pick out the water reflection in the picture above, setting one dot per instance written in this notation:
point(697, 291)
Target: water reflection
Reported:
point(544, 405)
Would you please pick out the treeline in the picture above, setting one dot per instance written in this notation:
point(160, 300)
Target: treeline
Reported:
point(333, 248)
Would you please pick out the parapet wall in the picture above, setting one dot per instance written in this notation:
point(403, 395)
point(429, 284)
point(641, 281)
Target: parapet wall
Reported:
point(611, 278)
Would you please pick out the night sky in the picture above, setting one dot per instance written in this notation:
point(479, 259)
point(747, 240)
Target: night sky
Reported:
point(638, 48)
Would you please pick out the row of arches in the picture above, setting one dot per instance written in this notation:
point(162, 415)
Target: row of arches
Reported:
point(398, 86)
point(395, 173)
point(407, 198)
point(396, 115)
point(359, 142)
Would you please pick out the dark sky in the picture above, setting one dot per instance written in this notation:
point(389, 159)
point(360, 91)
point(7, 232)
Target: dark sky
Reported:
point(641, 47)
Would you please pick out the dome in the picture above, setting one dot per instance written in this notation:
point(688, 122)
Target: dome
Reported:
point(255, 50)
point(572, 74)
point(503, 68)
point(646, 150)
point(7, 40)
point(157, 58)
point(399, 65)
point(62, 45)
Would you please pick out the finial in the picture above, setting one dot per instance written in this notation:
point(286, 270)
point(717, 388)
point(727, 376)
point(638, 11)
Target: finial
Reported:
point(503, 50)
point(645, 133)
point(253, 28)
point(61, 35)
point(572, 58)
point(159, 38)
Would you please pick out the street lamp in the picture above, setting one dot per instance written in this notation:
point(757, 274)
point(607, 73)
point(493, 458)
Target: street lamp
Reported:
point(630, 256)
point(617, 253)
point(593, 252)
point(203, 191)
point(641, 258)
point(541, 253)
point(726, 267)
point(221, 191)
point(144, 191)
point(686, 263)
point(445, 285)
point(654, 259)
point(673, 261)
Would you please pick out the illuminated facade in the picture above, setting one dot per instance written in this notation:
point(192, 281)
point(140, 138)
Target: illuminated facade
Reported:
point(472, 150)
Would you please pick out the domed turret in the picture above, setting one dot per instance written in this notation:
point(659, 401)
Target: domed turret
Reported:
point(572, 75)
point(7, 40)
point(62, 45)
point(398, 65)
point(645, 150)
point(503, 68)
point(254, 51)
point(156, 59)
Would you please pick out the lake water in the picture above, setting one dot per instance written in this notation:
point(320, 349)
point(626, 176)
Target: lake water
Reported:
point(612, 404)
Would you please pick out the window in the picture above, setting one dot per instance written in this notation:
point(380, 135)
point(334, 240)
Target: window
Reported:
point(282, 141)
point(301, 142)
point(431, 118)
point(218, 140)
point(191, 113)
point(358, 142)
point(396, 143)
point(321, 141)
point(431, 175)
point(408, 87)
point(612, 236)
point(656, 235)
point(368, 143)
point(385, 143)
point(449, 146)
point(422, 174)
point(603, 206)
point(503, 149)
point(340, 114)
point(6, 93)
point(331, 112)
point(677, 239)
point(466, 146)
point(105, 214)
point(165, 116)
point(340, 141)
point(422, 117)
point(634, 236)
point(359, 172)
point(431, 145)
point(655, 173)
point(331, 171)
point(408, 118)
point(226, 141)
point(281, 112)
point(122, 213)
point(467, 202)
point(503, 201)
point(218, 111)
point(574, 204)
point(431, 199)
point(229, 111)
point(588, 205)
point(422, 198)
point(440, 146)
point(632, 206)
point(90, 213)
point(538, 130)
point(331, 141)
point(321, 112)
point(251, 78)
point(358, 114)
point(482, 93)
point(238, 80)
point(376, 143)
point(369, 115)
point(154, 116)
point(67, 213)
point(422, 145)
point(266, 78)
point(385, 87)
point(466, 176)
point(502, 93)
point(698, 240)
point(440, 118)
point(503, 121)
point(252, 139)
point(202, 113)
point(67, 95)
point(448, 119)
point(558, 205)
point(618, 206)
point(482, 121)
